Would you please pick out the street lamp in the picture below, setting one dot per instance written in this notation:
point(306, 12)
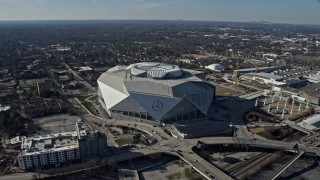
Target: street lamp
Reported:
point(234, 129)
point(135, 128)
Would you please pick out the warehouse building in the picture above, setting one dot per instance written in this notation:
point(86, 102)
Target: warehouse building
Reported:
point(264, 78)
point(260, 69)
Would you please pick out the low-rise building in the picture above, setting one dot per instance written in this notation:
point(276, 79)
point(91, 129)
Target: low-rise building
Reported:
point(45, 86)
point(17, 140)
point(311, 123)
point(85, 70)
point(265, 78)
point(71, 85)
point(260, 69)
point(313, 78)
point(311, 93)
point(4, 108)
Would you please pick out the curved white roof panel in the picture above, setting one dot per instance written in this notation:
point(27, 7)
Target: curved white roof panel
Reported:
point(215, 67)
point(155, 70)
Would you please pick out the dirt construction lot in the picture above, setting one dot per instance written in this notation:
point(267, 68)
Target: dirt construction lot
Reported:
point(56, 123)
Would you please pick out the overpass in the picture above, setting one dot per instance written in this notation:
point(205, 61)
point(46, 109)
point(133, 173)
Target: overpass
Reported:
point(278, 173)
point(294, 126)
point(268, 144)
point(203, 167)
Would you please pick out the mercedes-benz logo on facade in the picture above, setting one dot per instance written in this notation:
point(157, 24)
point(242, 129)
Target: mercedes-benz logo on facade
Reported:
point(157, 105)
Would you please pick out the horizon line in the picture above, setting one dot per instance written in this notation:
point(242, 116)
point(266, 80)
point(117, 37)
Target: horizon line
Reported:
point(253, 21)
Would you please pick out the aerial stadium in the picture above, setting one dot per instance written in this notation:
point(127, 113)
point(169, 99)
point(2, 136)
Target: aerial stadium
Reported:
point(155, 92)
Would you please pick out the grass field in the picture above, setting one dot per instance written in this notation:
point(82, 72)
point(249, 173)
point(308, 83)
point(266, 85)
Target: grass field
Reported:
point(93, 97)
point(307, 58)
point(82, 98)
point(90, 108)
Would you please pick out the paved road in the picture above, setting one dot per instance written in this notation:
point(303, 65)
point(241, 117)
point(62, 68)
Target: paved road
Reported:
point(81, 80)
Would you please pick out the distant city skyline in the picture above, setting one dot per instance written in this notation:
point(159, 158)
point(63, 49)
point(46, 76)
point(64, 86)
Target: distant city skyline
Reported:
point(275, 11)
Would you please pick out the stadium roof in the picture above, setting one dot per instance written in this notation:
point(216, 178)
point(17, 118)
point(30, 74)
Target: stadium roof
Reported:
point(155, 70)
point(174, 87)
point(147, 85)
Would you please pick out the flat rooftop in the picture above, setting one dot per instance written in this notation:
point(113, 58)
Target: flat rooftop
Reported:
point(312, 90)
point(52, 142)
point(269, 76)
point(4, 108)
point(311, 123)
point(260, 69)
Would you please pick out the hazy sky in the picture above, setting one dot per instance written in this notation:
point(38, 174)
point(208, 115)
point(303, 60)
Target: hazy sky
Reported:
point(286, 11)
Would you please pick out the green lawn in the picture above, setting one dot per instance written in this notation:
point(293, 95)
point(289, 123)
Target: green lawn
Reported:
point(82, 98)
point(93, 97)
point(90, 108)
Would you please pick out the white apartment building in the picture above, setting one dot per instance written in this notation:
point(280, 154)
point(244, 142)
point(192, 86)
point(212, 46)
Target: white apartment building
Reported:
point(54, 149)
point(58, 149)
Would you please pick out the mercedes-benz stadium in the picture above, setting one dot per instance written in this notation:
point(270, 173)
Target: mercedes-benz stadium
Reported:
point(155, 92)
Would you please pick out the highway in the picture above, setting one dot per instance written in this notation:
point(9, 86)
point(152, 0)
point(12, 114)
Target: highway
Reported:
point(294, 126)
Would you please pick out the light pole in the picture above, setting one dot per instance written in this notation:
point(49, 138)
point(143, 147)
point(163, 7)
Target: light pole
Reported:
point(300, 106)
point(135, 128)
point(272, 98)
point(282, 112)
